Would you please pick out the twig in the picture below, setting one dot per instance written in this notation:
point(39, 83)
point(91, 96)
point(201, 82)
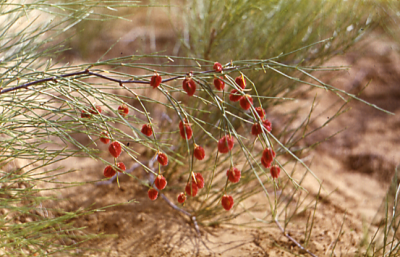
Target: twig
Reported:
point(292, 239)
point(90, 73)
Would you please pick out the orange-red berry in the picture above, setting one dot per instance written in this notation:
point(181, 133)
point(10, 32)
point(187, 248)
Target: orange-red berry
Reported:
point(123, 110)
point(241, 81)
point(191, 189)
point(181, 198)
point(95, 111)
point(109, 171)
point(217, 67)
point(256, 128)
point(225, 144)
point(182, 123)
point(160, 182)
point(199, 180)
point(261, 112)
point(84, 114)
point(235, 96)
point(267, 157)
point(152, 193)
point(162, 158)
point(233, 175)
point(219, 84)
point(199, 152)
point(121, 167)
point(185, 127)
point(147, 130)
point(275, 171)
point(246, 102)
point(115, 149)
point(155, 81)
point(267, 125)
point(189, 86)
point(227, 202)
point(104, 137)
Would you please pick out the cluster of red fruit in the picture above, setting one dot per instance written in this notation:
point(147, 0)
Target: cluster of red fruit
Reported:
point(225, 144)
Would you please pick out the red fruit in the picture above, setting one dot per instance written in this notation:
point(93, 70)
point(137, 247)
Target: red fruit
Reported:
point(109, 171)
point(217, 67)
point(95, 111)
point(199, 180)
point(233, 175)
point(123, 110)
point(189, 86)
point(160, 182)
point(227, 202)
point(261, 112)
point(147, 130)
point(235, 96)
point(152, 193)
point(256, 128)
point(246, 102)
point(162, 159)
point(121, 167)
point(267, 125)
point(115, 149)
point(84, 114)
point(155, 81)
point(275, 170)
point(267, 157)
point(241, 81)
point(225, 144)
point(182, 123)
point(189, 132)
point(219, 83)
point(199, 152)
point(181, 198)
point(104, 137)
point(192, 191)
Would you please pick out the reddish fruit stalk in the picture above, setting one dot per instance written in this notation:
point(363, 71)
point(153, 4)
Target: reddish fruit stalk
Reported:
point(227, 202)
